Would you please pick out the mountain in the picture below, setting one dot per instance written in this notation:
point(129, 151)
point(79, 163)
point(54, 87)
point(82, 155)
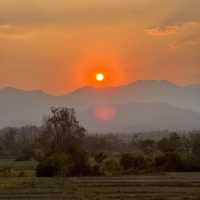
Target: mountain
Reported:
point(142, 105)
point(141, 91)
point(140, 117)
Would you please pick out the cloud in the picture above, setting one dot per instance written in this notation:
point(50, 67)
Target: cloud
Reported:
point(175, 13)
point(162, 32)
point(67, 12)
point(163, 13)
point(8, 31)
point(189, 36)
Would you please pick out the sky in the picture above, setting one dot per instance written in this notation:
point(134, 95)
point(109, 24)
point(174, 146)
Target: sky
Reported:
point(58, 46)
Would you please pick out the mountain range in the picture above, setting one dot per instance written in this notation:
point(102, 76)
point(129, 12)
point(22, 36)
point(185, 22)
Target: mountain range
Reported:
point(140, 106)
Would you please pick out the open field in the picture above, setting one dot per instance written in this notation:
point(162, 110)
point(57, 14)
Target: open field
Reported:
point(12, 168)
point(171, 186)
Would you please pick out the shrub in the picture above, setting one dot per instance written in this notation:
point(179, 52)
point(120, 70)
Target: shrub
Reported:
point(168, 162)
point(111, 167)
point(191, 164)
point(139, 162)
point(133, 161)
point(96, 170)
point(100, 157)
point(58, 164)
point(127, 161)
point(81, 165)
point(25, 155)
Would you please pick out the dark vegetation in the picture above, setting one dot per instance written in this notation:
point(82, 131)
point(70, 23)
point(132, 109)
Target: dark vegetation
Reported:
point(62, 147)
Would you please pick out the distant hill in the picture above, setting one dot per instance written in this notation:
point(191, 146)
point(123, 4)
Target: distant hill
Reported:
point(141, 117)
point(142, 105)
point(141, 91)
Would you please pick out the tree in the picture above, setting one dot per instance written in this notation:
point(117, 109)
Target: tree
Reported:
point(62, 132)
point(195, 141)
point(147, 146)
point(8, 142)
point(171, 144)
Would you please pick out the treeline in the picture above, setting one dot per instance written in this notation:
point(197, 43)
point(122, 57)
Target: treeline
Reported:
point(62, 147)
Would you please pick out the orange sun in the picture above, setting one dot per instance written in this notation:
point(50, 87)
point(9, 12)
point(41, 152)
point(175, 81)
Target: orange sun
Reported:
point(100, 77)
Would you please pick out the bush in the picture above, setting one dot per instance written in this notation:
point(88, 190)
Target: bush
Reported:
point(100, 157)
point(139, 162)
point(25, 155)
point(96, 170)
point(58, 164)
point(190, 164)
point(81, 165)
point(133, 162)
point(111, 167)
point(168, 162)
point(127, 161)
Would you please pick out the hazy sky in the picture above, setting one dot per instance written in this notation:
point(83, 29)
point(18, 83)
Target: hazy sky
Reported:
point(56, 46)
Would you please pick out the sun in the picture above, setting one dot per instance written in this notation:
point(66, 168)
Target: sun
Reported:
point(100, 77)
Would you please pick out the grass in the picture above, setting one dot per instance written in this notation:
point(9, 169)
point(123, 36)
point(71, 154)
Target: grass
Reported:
point(156, 187)
point(12, 163)
point(12, 168)
point(170, 186)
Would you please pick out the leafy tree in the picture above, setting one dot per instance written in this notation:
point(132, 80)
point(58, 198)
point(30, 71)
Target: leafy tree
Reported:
point(147, 146)
point(18, 142)
point(62, 132)
point(171, 144)
point(195, 143)
point(8, 142)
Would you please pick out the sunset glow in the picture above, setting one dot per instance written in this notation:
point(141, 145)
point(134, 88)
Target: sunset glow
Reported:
point(71, 41)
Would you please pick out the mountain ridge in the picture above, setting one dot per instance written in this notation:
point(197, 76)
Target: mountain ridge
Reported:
point(21, 107)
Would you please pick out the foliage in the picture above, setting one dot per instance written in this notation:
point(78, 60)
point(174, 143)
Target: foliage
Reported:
point(63, 135)
point(168, 162)
point(127, 161)
point(111, 166)
point(100, 157)
point(18, 142)
point(58, 164)
point(62, 132)
point(133, 162)
point(62, 148)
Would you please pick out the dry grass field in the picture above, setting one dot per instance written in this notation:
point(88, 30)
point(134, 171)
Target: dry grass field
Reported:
point(171, 186)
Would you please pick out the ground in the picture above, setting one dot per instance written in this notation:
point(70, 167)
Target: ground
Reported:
point(168, 186)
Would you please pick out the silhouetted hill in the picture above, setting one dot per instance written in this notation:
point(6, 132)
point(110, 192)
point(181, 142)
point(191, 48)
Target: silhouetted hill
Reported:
point(142, 105)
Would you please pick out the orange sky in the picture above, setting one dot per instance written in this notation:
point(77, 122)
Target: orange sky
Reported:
point(59, 46)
